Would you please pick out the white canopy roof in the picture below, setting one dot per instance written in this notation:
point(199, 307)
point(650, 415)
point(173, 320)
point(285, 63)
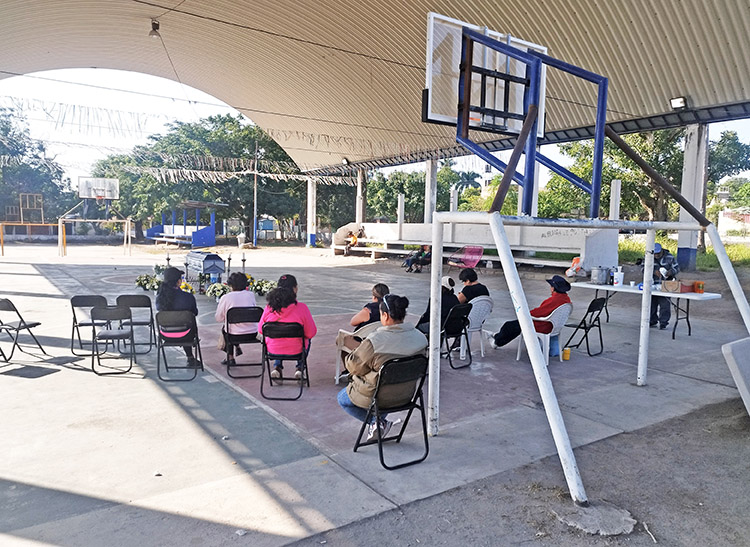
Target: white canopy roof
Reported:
point(334, 79)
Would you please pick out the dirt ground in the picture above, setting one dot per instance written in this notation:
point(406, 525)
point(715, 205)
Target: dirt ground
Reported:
point(685, 481)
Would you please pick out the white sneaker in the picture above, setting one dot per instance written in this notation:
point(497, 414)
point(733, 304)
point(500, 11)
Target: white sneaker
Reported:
point(276, 373)
point(491, 339)
point(372, 431)
point(298, 374)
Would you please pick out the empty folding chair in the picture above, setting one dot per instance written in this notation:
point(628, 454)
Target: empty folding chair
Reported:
point(276, 329)
point(558, 317)
point(177, 329)
point(140, 304)
point(81, 306)
point(454, 332)
point(109, 325)
point(589, 322)
point(250, 314)
point(481, 308)
point(399, 389)
point(13, 325)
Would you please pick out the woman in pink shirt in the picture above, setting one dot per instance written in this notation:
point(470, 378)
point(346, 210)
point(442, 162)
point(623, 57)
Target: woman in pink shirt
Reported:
point(238, 298)
point(284, 308)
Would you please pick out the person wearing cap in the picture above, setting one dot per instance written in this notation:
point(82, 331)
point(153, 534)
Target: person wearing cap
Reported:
point(665, 268)
point(447, 301)
point(559, 288)
point(170, 297)
point(472, 286)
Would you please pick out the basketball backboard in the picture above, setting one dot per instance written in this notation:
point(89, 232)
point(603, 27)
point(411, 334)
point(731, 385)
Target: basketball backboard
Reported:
point(95, 188)
point(440, 98)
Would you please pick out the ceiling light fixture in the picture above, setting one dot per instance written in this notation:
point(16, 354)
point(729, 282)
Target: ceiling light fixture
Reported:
point(345, 161)
point(154, 29)
point(678, 103)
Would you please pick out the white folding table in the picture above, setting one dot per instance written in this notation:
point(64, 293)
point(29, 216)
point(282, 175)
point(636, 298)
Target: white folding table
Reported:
point(682, 311)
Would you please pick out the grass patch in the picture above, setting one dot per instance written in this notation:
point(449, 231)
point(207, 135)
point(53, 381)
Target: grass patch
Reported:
point(631, 250)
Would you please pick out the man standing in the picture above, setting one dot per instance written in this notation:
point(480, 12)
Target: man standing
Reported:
point(665, 269)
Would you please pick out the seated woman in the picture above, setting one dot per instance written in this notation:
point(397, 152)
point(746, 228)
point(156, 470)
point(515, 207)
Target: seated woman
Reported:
point(447, 301)
point(238, 298)
point(472, 286)
point(284, 308)
point(170, 297)
point(417, 259)
point(370, 313)
point(559, 288)
point(364, 322)
point(394, 339)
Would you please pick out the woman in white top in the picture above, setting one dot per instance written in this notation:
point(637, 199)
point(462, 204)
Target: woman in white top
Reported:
point(238, 298)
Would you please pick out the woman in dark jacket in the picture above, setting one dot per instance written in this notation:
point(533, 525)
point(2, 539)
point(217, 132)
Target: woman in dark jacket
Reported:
point(170, 297)
point(447, 301)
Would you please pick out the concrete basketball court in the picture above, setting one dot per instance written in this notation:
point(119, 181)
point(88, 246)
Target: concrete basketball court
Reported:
point(130, 460)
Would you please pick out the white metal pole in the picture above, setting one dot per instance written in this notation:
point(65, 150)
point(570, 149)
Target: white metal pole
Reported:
point(538, 362)
point(436, 272)
point(648, 279)
point(255, 197)
point(730, 274)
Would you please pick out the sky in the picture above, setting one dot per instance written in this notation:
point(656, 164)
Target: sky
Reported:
point(84, 115)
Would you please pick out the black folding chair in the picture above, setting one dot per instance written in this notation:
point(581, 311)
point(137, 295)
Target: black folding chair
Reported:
point(145, 318)
point(177, 329)
point(455, 327)
point(399, 388)
point(13, 326)
point(81, 319)
point(249, 314)
point(108, 325)
point(277, 329)
point(589, 322)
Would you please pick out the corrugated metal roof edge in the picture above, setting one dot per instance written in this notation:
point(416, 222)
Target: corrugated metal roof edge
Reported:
point(710, 114)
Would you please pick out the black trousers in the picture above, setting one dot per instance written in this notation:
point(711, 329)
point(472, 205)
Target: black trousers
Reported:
point(660, 310)
point(509, 331)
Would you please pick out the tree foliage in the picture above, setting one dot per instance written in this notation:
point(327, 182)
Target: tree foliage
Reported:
point(26, 168)
point(219, 137)
point(639, 198)
point(382, 193)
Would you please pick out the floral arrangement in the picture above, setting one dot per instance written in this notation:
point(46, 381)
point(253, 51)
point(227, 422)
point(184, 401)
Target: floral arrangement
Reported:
point(159, 270)
point(147, 282)
point(217, 290)
point(187, 287)
point(261, 287)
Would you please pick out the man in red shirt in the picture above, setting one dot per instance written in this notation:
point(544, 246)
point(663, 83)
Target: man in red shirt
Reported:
point(559, 288)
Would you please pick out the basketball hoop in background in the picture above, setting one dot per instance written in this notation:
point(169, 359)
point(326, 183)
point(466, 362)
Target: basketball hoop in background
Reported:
point(99, 195)
point(98, 189)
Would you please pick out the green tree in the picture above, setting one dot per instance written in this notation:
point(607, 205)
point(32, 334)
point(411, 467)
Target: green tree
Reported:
point(382, 193)
point(739, 188)
point(27, 169)
point(639, 198)
point(473, 199)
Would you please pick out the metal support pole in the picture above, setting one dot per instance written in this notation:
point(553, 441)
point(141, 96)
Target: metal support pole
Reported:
point(436, 273)
point(255, 198)
point(510, 170)
point(596, 177)
point(730, 274)
point(538, 362)
point(648, 279)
